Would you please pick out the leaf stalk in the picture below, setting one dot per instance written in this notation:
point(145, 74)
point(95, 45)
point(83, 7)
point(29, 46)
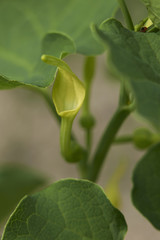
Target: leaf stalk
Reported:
point(126, 14)
point(106, 141)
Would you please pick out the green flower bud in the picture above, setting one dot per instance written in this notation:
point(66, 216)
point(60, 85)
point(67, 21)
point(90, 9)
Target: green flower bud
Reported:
point(87, 121)
point(142, 138)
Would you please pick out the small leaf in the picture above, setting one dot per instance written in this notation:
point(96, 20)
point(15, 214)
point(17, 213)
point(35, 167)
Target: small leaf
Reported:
point(69, 209)
point(135, 57)
point(146, 189)
point(153, 7)
point(15, 182)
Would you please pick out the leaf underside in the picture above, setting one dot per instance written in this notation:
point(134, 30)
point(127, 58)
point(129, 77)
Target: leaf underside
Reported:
point(67, 210)
point(146, 186)
point(54, 27)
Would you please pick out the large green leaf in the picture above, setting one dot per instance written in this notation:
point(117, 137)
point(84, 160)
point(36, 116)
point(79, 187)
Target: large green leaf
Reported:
point(146, 190)
point(15, 182)
point(24, 25)
point(67, 210)
point(135, 57)
point(153, 7)
point(33, 71)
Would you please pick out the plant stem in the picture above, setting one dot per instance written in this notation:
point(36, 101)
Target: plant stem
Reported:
point(123, 139)
point(65, 137)
point(87, 120)
point(71, 150)
point(105, 142)
point(126, 14)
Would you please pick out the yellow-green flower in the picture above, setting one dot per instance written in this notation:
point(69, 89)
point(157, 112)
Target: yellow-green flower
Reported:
point(68, 96)
point(68, 91)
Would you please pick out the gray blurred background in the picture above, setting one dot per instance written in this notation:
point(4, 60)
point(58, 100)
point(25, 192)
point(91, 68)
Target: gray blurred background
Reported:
point(30, 136)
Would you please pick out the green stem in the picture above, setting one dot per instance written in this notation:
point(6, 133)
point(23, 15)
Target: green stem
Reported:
point(87, 120)
point(89, 71)
point(105, 142)
point(123, 139)
point(124, 98)
point(70, 149)
point(126, 14)
point(65, 137)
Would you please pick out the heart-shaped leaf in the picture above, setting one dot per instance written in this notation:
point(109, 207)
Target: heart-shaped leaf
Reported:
point(15, 182)
point(146, 190)
point(69, 209)
point(153, 7)
point(135, 57)
point(54, 27)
